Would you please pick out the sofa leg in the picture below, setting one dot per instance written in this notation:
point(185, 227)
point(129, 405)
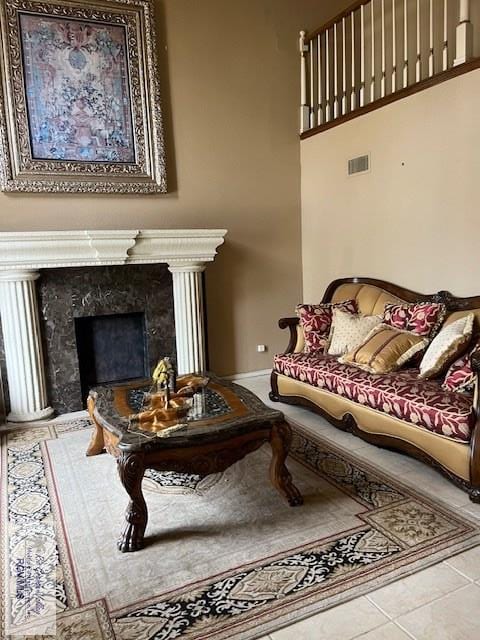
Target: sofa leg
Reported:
point(273, 397)
point(474, 495)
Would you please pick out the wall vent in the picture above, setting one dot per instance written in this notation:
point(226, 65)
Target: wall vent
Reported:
point(358, 165)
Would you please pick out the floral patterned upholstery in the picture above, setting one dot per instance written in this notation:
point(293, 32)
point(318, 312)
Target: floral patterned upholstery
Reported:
point(421, 318)
point(316, 321)
point(400, 394)
point(461, 377)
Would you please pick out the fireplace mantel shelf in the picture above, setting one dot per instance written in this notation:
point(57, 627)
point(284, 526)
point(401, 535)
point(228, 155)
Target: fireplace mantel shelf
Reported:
point(24, 254)
point(50, 249)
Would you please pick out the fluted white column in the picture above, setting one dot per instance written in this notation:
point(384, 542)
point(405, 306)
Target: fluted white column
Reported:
point(23, 346)
point(189, 316)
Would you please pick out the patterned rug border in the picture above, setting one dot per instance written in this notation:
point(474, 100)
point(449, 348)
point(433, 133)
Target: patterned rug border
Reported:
point(310, 603)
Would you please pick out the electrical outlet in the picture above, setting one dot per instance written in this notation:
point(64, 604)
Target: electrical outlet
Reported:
point(261, 348)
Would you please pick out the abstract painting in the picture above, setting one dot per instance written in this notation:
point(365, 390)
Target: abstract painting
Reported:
point(81, 112)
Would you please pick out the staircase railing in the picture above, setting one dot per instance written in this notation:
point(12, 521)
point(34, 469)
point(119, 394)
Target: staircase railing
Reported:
point(378, 48)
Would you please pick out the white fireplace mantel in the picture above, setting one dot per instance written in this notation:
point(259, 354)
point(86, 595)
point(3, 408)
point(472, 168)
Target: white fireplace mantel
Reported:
point(47, 249)
point(24, 254)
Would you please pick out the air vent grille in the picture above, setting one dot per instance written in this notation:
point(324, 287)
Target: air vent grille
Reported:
point(358, 165)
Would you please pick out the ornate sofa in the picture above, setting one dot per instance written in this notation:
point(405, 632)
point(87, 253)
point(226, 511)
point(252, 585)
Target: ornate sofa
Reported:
point(395, 410)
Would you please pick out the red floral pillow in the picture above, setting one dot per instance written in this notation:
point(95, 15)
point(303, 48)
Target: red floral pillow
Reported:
point(461, 377)
point(316, 320)
point(421, 318)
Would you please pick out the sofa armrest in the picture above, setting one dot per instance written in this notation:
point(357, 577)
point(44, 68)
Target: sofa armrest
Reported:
point(475, 441)
point(296, 334)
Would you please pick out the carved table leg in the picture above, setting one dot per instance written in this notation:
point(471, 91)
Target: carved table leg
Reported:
point(131, 469)
point(97, 442)
point(280, 477)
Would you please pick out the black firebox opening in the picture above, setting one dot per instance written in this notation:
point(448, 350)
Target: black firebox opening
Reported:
point(111, 348)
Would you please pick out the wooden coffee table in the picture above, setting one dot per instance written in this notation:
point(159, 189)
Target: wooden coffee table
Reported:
point(233, 424)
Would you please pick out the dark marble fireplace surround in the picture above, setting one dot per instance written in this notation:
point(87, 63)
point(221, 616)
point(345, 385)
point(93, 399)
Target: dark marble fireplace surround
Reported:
point(68, 293)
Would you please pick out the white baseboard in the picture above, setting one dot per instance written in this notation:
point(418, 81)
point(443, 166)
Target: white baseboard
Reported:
point(249, 374)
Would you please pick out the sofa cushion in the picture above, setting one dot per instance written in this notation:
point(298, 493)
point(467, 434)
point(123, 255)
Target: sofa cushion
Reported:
point(385, 349)
point(421, 318)
point(446, 347)
point(461, 377)
point(349, 331)
point(316, 320)
point(400, 394)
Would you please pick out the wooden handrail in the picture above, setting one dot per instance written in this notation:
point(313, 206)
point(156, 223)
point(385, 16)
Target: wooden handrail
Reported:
point(338, 18)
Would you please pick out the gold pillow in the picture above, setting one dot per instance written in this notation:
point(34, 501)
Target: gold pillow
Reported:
point(349, 331)
point(385, 349)
point(448, 346)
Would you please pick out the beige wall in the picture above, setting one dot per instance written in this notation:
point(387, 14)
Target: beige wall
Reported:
point(415, 218)
point(229, 73)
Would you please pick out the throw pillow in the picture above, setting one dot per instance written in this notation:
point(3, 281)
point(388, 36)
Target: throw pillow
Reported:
point(349, 331)
point(446, 347)
point(421, 318)
point(385, 349)
point(461, 377)
point(316, 320)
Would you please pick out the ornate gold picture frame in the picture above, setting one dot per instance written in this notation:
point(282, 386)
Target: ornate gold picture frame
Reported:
point(79, 97)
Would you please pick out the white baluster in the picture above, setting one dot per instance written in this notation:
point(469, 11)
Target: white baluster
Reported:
point(418, 64)
point(353, 97)
point(382, 82)
point(362, 55)
point(319, 80)
point(372, 21)
point(335, 72)
point(405, 44)
point(328, 114)
point(445, 35)
point(430, 55)
point(304, 108)
point(344, 67)
point(464, 49)
point(394, 47)
point(312, 87)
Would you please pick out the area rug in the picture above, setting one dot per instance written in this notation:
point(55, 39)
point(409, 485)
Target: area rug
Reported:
point(225, 557)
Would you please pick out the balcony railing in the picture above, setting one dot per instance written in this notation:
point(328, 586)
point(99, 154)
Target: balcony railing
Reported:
point(378, 48)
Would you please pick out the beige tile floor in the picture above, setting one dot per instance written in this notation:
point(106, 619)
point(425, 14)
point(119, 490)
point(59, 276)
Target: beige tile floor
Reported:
point(438, 603)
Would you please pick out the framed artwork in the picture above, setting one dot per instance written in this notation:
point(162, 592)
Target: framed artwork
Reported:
point(79, 97)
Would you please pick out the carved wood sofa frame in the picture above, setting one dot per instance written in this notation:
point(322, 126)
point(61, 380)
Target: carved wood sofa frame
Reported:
point(348, 422)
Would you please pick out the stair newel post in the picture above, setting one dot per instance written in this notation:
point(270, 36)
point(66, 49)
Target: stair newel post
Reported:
point(362, 55)
point(405, 44)
point(445, 36)
point(464, 34)
point(353, 97)
point(304, 108)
